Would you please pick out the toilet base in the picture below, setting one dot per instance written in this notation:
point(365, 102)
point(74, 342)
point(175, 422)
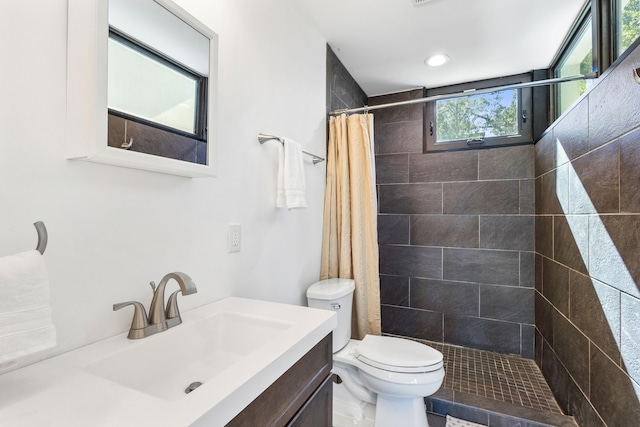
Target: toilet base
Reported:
point(387, 412)
point(393, 411)
point(349, 411)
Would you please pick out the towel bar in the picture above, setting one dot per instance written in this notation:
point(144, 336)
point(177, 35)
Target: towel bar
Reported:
point(262, 138)
point(43, 238)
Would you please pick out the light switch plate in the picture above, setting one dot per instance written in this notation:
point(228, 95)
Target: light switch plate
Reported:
point(233, 238)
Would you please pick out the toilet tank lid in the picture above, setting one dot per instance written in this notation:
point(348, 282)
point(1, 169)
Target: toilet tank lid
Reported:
point(331, 289)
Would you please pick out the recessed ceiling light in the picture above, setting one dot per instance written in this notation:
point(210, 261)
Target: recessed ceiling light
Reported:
point(436, 60)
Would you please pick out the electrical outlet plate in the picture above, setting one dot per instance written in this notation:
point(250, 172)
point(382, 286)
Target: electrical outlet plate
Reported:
point(233, 238)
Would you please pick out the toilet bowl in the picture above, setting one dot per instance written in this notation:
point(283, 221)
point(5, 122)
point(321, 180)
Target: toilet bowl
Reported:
point(384, 377)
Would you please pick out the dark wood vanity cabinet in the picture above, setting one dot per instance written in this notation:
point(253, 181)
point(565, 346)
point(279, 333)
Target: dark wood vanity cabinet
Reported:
point(301, 397)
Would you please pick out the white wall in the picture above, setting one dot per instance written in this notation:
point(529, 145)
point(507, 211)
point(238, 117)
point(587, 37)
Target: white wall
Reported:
point(112, 230)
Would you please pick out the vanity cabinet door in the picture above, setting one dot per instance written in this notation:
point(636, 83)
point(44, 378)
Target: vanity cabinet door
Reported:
point(317, 411)
point(278, 405)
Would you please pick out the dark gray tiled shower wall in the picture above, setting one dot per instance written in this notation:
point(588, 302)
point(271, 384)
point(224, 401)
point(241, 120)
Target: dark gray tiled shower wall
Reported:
point(342, 90)
point(455, 231)
point(587, 318)
point(588, 253)
point(456, 234)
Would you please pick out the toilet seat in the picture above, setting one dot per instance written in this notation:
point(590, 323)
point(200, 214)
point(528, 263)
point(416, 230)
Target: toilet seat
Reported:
point(397, 355)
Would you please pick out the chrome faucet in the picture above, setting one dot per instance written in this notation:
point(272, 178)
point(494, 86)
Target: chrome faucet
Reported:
point(160, 318)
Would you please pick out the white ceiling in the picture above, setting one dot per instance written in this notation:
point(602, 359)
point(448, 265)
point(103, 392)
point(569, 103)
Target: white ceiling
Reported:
point(383, 43)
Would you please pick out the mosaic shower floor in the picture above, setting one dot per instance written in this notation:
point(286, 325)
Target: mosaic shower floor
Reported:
point(503, 378)
point(493, 389)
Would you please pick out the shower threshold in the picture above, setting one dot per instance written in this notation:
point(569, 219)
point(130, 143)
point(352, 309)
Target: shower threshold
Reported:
point(494, 390)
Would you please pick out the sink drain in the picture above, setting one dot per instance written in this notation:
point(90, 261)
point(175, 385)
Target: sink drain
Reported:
point(192, 386)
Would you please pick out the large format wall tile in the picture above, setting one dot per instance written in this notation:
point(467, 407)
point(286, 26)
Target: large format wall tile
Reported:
point(630, 172)
point(614, 242)
point(484, 334)
point(630, 345)
point(481, 266)
point(555, 285)
point(402, 113)
point(392, 169)
point(444, 230)
point(394, 290)
point(527, 337)
point(412, 261)
point(544, 235)
point(593, 181)
point(342, 90)
point(613, 106)
point(581, 409)
point(527, 269)
point(552, 192)
point(506, 163)
point(403, 137)
point(393, 229)
point(483, 197)
point(572, 348)
point(411, 198)
point(422, 324)
point(507, 303)
point(571, 241)
point(443, 167)
point(595, 310)
point(572, 131)
point(545, 154)
point(544, 317)
point(538, 268)
point(507, 232)
point(445, 297)
point(615, 397)
point(557, 375)
point(527, 197)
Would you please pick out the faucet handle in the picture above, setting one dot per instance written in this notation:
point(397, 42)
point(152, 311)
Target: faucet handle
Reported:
point(172, 305)
point(172, 312)
point(139, 314)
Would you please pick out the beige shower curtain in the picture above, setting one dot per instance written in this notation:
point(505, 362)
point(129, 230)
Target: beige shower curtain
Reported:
point(350, 236)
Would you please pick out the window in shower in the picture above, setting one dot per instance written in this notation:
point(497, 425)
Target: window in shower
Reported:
point(577, 59)
point(627, 24)
point(500, 117)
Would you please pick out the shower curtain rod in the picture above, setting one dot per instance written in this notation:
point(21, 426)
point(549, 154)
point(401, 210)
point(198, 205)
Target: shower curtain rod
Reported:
point(464, 93)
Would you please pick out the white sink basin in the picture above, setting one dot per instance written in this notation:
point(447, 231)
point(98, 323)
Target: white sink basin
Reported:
point(236, 347)
point(164, 366)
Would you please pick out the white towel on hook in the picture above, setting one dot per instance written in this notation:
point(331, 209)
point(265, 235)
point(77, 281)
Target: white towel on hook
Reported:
point(25, 314)
point(291, 184)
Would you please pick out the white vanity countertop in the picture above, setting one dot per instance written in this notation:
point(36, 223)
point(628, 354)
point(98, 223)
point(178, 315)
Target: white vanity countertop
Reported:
point(62, 391)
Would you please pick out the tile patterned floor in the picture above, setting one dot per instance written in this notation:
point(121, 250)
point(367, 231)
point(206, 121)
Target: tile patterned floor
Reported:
point(495, 376)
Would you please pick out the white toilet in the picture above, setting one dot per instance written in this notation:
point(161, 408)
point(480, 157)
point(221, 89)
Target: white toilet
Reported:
point(384, 379)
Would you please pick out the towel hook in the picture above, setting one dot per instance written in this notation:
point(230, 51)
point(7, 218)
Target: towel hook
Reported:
point(42, 236)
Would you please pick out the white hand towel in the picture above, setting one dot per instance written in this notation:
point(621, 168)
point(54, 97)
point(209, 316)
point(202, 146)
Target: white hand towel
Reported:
point(25, 314)
point(291, 184)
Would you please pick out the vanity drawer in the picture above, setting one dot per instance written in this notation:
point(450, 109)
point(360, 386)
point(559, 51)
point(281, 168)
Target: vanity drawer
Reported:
point(279, 404)
point(318, 411)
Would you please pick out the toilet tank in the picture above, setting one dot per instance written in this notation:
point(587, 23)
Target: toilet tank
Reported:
point(336, 295)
